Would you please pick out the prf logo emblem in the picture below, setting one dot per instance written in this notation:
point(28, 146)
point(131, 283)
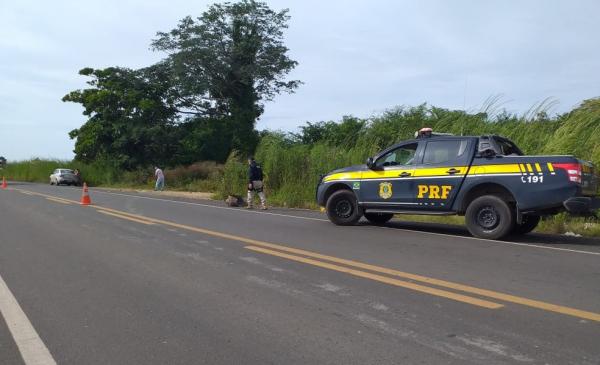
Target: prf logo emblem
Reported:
point(385, 190)
point(434, 191)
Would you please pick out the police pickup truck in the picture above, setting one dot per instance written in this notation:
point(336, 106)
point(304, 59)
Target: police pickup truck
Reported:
point(498, 189)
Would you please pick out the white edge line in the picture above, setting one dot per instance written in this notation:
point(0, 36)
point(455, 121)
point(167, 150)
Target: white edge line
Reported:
point(32, 348)
point(326, 220)
point(497, 242)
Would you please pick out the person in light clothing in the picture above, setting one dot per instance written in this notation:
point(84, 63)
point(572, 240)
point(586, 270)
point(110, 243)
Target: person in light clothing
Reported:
point(255, 183)
point(160, 179)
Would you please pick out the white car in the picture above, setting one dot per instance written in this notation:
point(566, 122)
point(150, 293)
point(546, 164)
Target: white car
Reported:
point(64, 176)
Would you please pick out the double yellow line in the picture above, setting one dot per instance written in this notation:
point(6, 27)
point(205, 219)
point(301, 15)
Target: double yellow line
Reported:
point(137, 220)
point(59, 200)
point(363, 270)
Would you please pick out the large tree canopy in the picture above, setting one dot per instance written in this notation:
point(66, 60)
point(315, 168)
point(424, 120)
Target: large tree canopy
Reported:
point(227, 62)
point(198, 103)
point(131, 116)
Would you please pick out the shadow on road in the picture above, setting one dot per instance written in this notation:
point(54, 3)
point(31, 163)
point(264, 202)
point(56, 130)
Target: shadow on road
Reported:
point(461, 231)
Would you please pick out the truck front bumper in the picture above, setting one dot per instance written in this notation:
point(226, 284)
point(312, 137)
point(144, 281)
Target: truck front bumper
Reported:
point(582, 205)
point(320, 194)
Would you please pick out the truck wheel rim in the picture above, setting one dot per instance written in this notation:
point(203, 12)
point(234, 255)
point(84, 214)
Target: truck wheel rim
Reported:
point(343, 208)
point(487, 217)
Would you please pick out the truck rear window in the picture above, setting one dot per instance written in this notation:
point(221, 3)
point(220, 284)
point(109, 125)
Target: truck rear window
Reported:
point(507, 147)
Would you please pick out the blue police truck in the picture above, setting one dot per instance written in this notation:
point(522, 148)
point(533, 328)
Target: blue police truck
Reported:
point(488, 179)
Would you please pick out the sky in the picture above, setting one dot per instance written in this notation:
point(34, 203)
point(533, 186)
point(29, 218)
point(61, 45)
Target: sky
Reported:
point(355, 58)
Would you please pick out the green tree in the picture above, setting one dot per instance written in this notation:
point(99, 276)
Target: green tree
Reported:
point(203, 139)
point(227, 62)
point(131, 117)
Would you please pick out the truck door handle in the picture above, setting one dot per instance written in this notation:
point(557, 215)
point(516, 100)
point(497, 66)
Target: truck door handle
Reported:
point(405, 174)
point(452, 171)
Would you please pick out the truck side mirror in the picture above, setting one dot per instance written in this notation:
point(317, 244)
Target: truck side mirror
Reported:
point(370, 163)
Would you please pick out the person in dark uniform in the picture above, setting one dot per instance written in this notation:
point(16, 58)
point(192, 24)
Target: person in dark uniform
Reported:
point(78, 176)
point(255, 183)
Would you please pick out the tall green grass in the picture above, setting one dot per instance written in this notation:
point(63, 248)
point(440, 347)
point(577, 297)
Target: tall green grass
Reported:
point(292, 166)
point(38, 170)
point(200, 176)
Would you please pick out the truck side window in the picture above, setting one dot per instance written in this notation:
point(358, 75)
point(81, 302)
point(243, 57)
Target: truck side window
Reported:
point(400, 156)
point(437, 152)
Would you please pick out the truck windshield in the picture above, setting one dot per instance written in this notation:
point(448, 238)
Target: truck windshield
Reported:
point(507, 147)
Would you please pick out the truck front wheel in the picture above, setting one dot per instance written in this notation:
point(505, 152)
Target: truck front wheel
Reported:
point(528, 224)
point(489, 217)
point(342, 208)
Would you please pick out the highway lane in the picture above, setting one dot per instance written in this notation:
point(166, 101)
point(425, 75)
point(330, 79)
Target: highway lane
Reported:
point(191, 282)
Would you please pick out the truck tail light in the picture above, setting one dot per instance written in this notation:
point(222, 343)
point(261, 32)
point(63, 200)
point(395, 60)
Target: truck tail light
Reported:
point(573, 170)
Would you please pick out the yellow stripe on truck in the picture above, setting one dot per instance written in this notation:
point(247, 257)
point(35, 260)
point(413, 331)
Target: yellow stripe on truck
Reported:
point(429, 172)
point(385, 174)
point(502, 169)
point(440, 171)
point(344, 176)
point(495, 169)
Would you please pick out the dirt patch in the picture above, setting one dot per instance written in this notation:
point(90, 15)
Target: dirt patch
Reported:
point(177, 194)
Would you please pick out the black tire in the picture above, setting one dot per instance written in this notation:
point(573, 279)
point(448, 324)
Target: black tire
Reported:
point(528, 224)
point(490, 217)
point(342, 208)
point(378, 218)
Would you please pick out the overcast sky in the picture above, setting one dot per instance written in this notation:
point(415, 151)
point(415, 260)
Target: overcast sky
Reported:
point(355, 58)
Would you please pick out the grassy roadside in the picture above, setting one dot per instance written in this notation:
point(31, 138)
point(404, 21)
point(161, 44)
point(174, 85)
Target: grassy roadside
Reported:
point(221, 180)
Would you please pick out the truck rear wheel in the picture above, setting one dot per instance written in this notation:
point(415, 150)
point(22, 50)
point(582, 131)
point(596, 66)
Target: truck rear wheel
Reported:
point(489, 217)
point(378, 218)
point(528, 224)
point(342, 208)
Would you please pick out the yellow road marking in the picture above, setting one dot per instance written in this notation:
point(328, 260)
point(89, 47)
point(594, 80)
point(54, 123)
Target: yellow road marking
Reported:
point(126, 217)
point(465, 288)
point(57, 200)
point(382, 279)
point(447, 284)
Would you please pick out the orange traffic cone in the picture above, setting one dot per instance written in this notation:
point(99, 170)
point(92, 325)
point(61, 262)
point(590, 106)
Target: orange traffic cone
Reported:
point(4, 183)
point(85, 196)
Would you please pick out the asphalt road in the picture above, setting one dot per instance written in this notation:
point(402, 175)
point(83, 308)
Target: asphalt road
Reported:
point(140, 279)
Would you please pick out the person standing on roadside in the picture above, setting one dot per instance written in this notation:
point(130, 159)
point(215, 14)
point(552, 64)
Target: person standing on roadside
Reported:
point(160, 179)
point(255, 183)
point(78, 176)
